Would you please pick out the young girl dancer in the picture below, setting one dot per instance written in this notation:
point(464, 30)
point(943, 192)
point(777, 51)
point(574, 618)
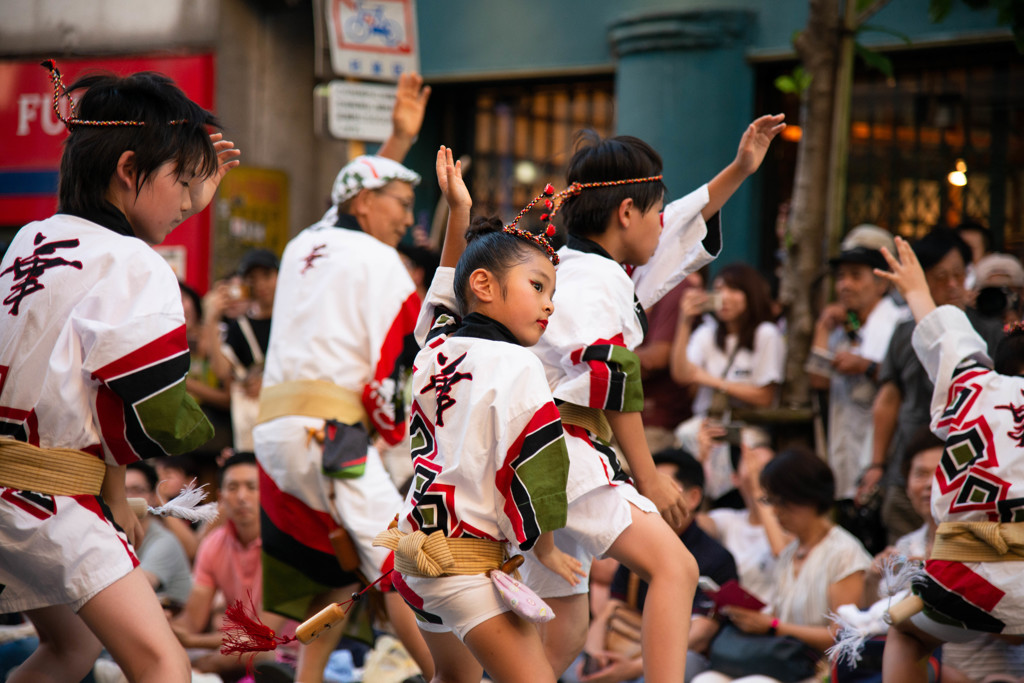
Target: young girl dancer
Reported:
point(489, 456)
point(93, 361)
point(971, 583)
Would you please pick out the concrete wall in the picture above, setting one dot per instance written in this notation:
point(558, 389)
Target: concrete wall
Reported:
point(105, 26)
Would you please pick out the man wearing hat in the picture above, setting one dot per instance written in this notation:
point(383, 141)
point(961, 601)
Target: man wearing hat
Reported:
point(851, 337)
point(342, 341)
point(998, 287)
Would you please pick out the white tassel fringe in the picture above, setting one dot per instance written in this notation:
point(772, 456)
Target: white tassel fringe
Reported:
point(186, 505)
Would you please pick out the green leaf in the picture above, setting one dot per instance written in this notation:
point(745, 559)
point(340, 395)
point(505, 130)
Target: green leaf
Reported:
point(787, 85)
point(871, 28)
point(874, 60)
point(939, 9)
point(794, 83)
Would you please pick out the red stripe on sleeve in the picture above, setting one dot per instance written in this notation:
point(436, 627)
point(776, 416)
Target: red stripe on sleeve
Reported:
point(171, 344)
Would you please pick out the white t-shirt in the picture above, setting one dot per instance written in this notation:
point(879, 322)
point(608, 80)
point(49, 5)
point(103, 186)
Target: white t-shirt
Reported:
point(750, 548)
point(802, 598)
point(760, 367)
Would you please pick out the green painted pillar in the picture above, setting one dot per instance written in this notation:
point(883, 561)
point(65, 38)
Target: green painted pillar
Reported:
point(683, 85)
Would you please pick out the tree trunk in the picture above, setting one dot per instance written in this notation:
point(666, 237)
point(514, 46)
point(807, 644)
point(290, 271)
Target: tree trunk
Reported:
point(818, 49)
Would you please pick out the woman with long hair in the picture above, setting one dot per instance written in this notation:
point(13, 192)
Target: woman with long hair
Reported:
point(734, 359)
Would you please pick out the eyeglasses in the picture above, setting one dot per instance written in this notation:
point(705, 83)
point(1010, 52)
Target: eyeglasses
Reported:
point(405, 202)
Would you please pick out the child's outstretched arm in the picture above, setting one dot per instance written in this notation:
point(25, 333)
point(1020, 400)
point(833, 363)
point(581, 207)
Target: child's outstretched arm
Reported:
point(201, 191)
point(753, 146)
point(449, 178)
point(566, 566)
point(908, 277)
point(406, 116)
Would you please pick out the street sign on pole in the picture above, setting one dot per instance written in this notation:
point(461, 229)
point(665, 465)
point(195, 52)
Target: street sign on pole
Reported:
point(373, 39)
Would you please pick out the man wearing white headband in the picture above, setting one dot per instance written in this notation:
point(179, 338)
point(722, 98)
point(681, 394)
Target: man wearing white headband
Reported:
point(344, 313)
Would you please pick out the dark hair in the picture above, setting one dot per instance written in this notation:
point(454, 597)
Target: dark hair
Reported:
point(759, 302)
point(193, 296)
point(91, 153)
point(1009, 355)
point(147, 471)
point(184, 462)
point(986, 234)
point(490, 248)
point(596, 160)
point(920, 441)
point(240, 458)
point(689, 472)
point(797, 475)
point(422, 257)
point(937, 244)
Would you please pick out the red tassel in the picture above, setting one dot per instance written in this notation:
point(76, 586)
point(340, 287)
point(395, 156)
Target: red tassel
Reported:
point(244, 632)
point(549, 189)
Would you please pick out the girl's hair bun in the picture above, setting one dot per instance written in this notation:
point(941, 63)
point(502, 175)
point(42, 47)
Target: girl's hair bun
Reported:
point(483, 225)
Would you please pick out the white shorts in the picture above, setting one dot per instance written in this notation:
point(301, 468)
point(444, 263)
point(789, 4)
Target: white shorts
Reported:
point(595, 520)
point(57, 550)
point(450, 603)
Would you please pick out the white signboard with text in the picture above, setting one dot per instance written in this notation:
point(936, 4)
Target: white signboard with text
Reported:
point(373, 39)
point(359, 111)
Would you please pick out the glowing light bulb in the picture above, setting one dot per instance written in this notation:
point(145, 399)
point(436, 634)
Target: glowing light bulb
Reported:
point(959, 176)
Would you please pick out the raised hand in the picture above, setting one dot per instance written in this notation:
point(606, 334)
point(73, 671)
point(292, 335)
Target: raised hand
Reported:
point(410, 105)
point(908, 277)
point(756, 139)
point(202, 190)
point(449, 179)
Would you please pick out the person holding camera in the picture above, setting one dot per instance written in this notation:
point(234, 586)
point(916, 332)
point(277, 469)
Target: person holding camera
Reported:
point(735, 358)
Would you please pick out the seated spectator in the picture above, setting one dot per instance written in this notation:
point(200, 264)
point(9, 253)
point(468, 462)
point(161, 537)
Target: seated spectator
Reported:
point(228, 561)
point(735, 359)
point(161, 557)
point(999, 288)
point(713, 561)
point(822, 568)
point(752, 535)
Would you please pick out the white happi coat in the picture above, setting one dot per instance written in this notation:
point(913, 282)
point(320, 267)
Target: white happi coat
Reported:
point(587, 349)
point(489, 455)
point(980, 477)
point(93, 357)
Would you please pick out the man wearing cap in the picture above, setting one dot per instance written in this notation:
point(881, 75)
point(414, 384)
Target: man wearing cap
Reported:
point(998, 287)
point(903, 403)
point(238, 346)
point(342, 341)
point(851, 337)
